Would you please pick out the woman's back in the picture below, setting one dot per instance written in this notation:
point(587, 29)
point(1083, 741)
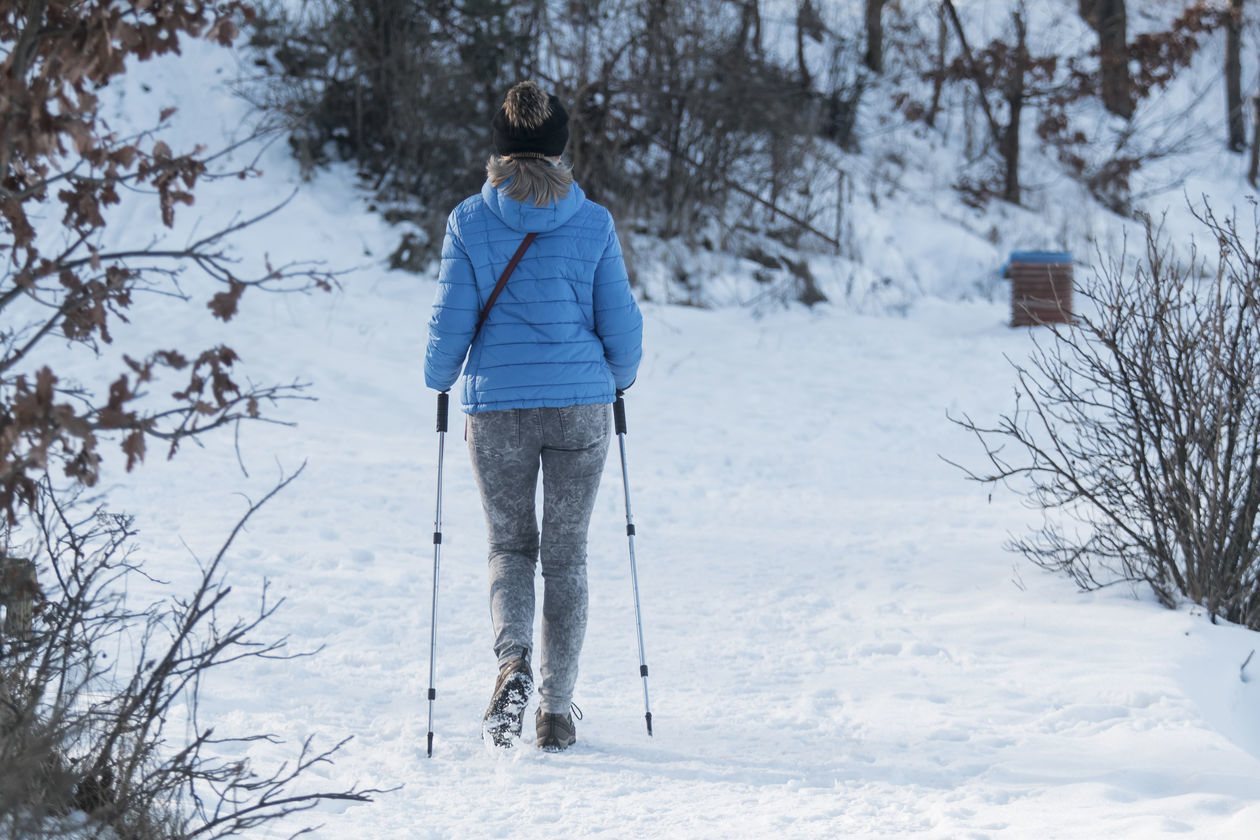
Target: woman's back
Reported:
point(564, 331)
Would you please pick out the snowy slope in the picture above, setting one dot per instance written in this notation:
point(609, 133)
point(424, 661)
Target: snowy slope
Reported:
point(839, 645)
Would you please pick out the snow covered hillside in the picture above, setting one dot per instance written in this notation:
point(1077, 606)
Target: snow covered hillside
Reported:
point(839, 645)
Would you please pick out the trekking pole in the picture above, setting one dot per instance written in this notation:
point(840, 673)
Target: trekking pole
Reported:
point(619, 416)
point(443, 402)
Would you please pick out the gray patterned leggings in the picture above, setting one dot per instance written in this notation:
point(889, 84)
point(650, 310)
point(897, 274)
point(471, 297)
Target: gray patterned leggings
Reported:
point(507, 447)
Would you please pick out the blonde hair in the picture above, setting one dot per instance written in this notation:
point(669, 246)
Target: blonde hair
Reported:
point(529, 177)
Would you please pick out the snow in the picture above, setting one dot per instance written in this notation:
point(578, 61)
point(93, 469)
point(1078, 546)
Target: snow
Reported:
point(839, 644)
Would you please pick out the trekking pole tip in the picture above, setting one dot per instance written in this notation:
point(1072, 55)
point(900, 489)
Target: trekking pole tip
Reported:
point(431, 744)
point(648, 715)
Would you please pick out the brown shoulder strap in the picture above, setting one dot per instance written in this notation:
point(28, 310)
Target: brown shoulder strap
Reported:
point(503, 278)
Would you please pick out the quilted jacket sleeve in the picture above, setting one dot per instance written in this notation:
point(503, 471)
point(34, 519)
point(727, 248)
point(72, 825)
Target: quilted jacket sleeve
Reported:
point(618, 322)
point(455, 313)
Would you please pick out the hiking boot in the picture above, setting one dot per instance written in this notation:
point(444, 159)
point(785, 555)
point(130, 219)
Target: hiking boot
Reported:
point(556, 732)
point(503, 719)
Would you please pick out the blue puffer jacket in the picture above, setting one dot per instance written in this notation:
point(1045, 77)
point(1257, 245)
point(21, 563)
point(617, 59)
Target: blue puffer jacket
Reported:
point(565, 330)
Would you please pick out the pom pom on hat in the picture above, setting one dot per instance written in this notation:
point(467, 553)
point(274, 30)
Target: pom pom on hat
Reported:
point(530, 123)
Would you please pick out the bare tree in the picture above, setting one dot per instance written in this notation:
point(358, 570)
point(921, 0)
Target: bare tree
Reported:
point(1051, 82)
point(675, 106)
point(1137, 430)
point(1015, 91)
point(693, 95)
point(1018, 77)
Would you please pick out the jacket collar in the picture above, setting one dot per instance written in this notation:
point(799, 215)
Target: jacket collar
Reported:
point(527, 217)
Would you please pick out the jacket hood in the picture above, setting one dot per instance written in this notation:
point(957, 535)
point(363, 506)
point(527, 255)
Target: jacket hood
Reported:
point(529, 218)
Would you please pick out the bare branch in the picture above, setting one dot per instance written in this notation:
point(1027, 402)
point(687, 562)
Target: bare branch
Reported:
point(1137, 430)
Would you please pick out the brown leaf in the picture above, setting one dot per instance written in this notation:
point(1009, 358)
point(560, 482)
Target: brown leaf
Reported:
point(73, 423)
point(15, 215)
point(108, 418)
point(224, 32)
point(224, 304)
point(84, 467)
point(133, 446)
point(119, 393)
point(171, 359)
point(196, 385)
point(44, 382)
point(125, 156)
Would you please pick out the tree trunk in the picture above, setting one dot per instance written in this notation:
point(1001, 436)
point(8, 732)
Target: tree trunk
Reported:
point(1109, 20)
point(938, 78)
point(750, 28)
point(874, 57)
point(1233, 77)
point(1015, 92)
point(1253, 172)
point(995, 131)
point(808, 24)
point(1114, 52)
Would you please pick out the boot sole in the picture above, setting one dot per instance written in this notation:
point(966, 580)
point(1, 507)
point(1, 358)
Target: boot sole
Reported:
point(505, 718)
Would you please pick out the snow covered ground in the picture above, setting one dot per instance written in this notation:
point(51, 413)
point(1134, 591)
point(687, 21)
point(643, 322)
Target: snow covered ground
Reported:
point(839, 645)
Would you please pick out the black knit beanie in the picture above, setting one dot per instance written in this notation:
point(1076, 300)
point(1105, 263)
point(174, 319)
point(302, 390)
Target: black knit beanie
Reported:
point(530, 123)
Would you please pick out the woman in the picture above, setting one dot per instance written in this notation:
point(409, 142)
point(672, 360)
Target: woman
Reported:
point(543, 364)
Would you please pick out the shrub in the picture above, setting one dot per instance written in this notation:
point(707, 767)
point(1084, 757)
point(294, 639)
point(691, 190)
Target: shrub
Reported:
point(1137, 429)
point(99, 729)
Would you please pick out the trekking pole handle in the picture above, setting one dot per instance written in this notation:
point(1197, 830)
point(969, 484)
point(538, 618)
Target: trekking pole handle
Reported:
point(619, 412)
point(443, 407)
